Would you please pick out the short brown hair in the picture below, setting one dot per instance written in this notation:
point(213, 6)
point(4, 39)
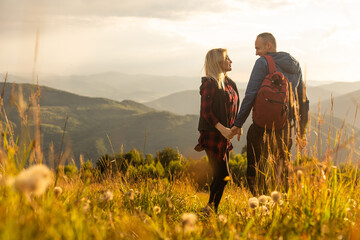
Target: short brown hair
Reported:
point(268, 37)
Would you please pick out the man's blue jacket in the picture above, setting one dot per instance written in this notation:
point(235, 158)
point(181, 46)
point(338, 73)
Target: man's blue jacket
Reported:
point(290, 67)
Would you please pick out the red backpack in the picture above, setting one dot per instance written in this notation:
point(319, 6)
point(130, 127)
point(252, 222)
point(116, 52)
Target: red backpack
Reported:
point(271, 104)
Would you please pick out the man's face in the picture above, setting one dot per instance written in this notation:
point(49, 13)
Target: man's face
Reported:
point(260, 47)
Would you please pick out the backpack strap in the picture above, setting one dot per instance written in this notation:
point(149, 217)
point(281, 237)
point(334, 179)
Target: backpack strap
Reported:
point(271, 63)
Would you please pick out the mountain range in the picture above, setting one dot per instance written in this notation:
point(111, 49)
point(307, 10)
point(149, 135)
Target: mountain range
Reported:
point(96, 125)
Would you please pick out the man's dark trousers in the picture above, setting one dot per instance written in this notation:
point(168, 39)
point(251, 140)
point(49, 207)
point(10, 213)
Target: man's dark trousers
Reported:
point(261, 143)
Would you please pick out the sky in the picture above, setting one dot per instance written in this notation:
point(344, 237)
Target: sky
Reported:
point(170, 37)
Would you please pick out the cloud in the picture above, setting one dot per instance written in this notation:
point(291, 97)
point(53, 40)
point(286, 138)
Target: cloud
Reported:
point(269, 4)
point(123, 8)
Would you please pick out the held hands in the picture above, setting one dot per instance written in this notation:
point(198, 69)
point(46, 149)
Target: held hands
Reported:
point(229, 133)
point(235, 130)
point(226, 132)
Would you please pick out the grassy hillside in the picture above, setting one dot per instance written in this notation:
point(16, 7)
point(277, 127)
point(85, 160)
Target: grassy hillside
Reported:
point(95, 122)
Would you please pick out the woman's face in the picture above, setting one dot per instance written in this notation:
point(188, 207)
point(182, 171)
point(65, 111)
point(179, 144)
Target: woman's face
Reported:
point(226, 64)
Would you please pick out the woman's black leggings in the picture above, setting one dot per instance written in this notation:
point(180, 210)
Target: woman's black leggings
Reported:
point(220, 172)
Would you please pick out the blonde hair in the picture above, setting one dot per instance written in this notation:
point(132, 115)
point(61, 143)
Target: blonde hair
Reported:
point(212, 66)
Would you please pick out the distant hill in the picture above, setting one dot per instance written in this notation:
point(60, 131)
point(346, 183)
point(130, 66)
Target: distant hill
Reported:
point(341, 88)
point(96, 125)
point(116, 86)
point(344, 107)
point(184, 102)
point(92, 122)
point(188, 102)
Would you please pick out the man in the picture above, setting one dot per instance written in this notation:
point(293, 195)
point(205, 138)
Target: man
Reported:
point(259, 140)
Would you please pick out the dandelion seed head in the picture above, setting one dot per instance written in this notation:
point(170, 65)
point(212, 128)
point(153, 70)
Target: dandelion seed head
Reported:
point(86, 206)
point(253, 203)
point(131, 195)
point(222, 218)
point(157, 209)
point(300, 175)
point(275, 196)
point(263, 199)
point(106, 196)
point(57, 191)
point(34, 180)
point(188, 222)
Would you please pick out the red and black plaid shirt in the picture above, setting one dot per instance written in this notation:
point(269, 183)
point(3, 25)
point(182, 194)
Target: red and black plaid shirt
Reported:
point(213, 140)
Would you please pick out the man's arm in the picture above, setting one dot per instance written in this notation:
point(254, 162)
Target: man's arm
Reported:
point(259, 72)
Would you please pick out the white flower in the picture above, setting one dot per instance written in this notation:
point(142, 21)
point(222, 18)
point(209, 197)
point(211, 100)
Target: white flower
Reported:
point(157, 209)
point(253, 202)
point(131, 194)
point(34, 180)
point(86, 205)
point(300, 174)
point(107, 196)
point(263, 199)
point(57, 191)
point(188, 222)
point(276, 196)
point(222, 218)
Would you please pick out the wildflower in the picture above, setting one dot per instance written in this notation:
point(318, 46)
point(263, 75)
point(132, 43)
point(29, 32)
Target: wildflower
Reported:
point(222, 218)
point(107, 196)
point(253, 202)
point(263, 199)
point(299, 174)
point(131, 195)
point(188, 222)
point(57, 191)
point(86, 205)
point(157, 210)
point(227, 178)
point(275, 196)
point(34, 180)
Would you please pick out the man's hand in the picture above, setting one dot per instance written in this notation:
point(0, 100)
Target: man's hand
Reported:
point(226, 132)
point(238, 131)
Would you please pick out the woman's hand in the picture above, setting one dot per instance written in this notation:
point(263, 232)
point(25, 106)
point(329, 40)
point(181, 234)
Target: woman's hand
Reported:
point(226, 132)
point(239, 131)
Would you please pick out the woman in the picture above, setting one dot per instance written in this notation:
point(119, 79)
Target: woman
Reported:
point(218, 110)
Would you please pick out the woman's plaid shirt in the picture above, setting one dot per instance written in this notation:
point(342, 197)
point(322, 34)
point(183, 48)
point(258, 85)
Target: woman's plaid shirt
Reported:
point(213, 140)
